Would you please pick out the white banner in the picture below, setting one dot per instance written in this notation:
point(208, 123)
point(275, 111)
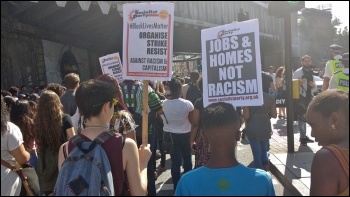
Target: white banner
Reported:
point(148, 40)
point(231, 64)
point(111, 64)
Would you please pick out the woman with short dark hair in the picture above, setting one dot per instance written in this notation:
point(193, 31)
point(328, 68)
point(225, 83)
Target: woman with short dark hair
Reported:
point(122, 121)
point(177, 119)
point(328, 116)
point(96, 100)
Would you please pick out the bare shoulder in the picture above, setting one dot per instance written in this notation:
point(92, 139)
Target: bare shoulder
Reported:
point(327, 176)
point(324, 155)
point(129, 145)
point(325, 162)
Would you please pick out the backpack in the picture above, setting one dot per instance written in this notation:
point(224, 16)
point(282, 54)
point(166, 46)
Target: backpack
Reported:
point(193, 93)
point(86, 171)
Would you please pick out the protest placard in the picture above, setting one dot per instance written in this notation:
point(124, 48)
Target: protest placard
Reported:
point(231, 65)
point(148, 40)
point(111, 64)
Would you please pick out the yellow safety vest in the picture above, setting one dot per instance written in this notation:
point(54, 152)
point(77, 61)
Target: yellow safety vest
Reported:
point(335, 66)
point(342, 81)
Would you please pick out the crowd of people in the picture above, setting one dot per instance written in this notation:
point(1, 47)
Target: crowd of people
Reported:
point(43, 128)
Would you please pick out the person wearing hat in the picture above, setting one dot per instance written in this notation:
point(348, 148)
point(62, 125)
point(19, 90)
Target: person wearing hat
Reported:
point(333, 65)
point(340, 79)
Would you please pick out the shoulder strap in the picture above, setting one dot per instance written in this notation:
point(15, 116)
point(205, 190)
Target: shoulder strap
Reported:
point(7, 165)
point(64, 151)
point(123, 141)
point(76, 140)
point(104, 136)
point(99, 139)
point(340, 155)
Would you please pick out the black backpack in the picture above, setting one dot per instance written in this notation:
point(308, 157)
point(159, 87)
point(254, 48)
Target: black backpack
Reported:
point(193, 93)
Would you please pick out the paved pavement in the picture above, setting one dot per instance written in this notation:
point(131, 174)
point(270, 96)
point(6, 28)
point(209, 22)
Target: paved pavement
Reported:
point(292, 169)
point(164, 184)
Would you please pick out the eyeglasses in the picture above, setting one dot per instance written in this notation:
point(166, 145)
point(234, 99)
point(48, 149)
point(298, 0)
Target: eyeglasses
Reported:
point(114, 102)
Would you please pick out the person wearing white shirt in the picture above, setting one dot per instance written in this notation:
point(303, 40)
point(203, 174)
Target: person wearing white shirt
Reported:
point(303, 74)
point(333, 65)
point(12, 151)
point(340, 79)
point(177, 126)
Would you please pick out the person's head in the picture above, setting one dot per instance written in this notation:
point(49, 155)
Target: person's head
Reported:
point(35, 90)
point(306, 62)
point(22, 97)
point(266, 80)
point(91, 105)
point(153, 85)
point(161, 88)
point(328, 116)
point(13, 90)
point(49, 102)
point(345, 60)
point(71, 81)
point(182, 80)
point(221, 124)
point(33, 107)
point(9, 100)
point(5, 93)
point(271, 69)
point(4, 116)
point(175, 87)
point(23, 89)
point(113, 81)
point(57, 88)
point(19, 111)
point(34, 97)
point(194, 76)
point(21, 115)
point(335, 49)
point(41, 88)
point(48, 121)
point(280, 72)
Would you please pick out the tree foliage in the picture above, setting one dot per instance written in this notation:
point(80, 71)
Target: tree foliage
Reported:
point(341, 36)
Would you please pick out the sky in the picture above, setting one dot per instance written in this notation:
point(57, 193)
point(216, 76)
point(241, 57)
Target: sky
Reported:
point(340, 9)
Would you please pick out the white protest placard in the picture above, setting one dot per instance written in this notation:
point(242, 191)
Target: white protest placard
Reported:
point(231, 65)
point(148, 40)
point(111, 64)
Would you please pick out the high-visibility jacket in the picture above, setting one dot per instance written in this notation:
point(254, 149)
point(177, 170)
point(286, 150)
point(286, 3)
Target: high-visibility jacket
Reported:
point(340, 81)
point(333, 66)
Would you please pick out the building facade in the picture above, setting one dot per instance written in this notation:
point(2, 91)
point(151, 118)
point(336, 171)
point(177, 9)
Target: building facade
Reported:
point(41, 41)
